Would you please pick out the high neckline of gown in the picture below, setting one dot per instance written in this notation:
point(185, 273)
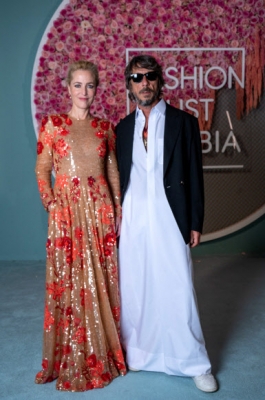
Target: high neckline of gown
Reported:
point(89, 118)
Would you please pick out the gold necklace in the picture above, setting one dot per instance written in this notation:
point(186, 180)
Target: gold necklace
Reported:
point(79, 119)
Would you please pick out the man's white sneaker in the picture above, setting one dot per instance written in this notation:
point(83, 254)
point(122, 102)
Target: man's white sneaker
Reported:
point(206, 383)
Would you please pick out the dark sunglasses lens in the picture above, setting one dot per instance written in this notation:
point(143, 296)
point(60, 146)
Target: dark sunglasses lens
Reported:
point(137, 78)
point(151, 76)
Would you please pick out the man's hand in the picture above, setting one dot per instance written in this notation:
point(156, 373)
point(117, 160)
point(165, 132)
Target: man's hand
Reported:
point(195, 238)
point(118, 226)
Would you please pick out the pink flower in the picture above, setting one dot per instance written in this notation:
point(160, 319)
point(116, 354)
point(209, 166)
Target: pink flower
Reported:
point(107, 30)
point(240, 3)
point(67, 26)
point(125, 31)
point(129, 7)
point(234, 43)
point(52, 64)
point(59, 46)
point(85, 13)
point(110, 100)
point(139, 20)
point(168, 40)
point(50, 77)
point(177, 2)
point(86, 24)
point(78, 12)
point(79, 31)
point(218, 10)
point(72, 55)
point(99, 20)
point(114, 25)
point(161, 11)
point(70, 40)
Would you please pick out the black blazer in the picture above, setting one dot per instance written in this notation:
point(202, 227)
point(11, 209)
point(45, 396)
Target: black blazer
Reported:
point(183, 175)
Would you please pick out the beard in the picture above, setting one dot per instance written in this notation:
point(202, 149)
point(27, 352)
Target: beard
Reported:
point(147, 102)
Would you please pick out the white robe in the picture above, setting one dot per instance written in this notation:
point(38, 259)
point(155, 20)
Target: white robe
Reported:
point(160, 326)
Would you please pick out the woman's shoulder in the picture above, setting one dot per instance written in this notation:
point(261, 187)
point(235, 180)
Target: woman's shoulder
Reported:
point(56, 120)
point(102, 123)
point(60, 119)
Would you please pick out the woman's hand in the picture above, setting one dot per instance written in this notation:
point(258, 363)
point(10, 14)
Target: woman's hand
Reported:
point(50, 205)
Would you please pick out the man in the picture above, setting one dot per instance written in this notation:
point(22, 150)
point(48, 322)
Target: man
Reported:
point(159, 158)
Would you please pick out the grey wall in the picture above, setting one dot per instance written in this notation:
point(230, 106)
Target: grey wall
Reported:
point(23, 221)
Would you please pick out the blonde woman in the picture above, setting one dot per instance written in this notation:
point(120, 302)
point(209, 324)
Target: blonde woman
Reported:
point(81, 346)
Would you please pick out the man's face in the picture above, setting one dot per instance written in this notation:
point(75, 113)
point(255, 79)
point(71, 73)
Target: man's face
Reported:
point(146, 91)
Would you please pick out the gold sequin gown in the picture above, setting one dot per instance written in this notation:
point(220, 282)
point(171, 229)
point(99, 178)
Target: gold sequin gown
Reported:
point(82, 308)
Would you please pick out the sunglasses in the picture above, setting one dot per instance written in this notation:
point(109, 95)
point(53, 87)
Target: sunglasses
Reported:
point(137, 78)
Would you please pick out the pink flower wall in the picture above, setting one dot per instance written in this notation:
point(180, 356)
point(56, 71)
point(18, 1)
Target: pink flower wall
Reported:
point(101, 31)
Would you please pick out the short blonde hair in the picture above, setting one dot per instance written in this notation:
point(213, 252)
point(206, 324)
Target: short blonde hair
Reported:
point(85, 66)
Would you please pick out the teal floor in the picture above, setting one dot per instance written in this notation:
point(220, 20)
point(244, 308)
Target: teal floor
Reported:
point(231, 297)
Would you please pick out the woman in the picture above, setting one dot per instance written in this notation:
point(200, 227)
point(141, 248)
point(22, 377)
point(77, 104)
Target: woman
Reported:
point(82, 308)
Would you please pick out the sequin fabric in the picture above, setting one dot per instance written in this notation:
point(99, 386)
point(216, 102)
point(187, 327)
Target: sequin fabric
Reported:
point(81, 347)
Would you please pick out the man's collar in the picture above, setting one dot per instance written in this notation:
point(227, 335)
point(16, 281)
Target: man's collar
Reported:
point(159, 107)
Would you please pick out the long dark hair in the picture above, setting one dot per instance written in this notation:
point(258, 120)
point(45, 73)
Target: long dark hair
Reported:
point(147, 62)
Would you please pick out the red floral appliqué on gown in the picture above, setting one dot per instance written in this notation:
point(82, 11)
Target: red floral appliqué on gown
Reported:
point(82, 307)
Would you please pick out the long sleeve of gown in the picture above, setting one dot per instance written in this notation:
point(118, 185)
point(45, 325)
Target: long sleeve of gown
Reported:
point(112, 172)
point(44, 163)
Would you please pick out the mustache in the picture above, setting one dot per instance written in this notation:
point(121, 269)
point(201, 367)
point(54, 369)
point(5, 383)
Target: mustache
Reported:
point(146, 90)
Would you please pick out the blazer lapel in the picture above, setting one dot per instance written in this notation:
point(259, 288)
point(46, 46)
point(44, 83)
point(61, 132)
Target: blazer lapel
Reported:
point(173, 125)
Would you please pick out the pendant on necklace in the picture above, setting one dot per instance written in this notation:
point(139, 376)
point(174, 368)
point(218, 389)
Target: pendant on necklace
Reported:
point(145, 137)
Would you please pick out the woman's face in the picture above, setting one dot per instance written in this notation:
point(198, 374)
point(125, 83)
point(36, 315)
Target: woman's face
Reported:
point(82, 89)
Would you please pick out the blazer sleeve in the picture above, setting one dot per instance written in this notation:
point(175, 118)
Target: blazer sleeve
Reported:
point(196, 185)
point(124, 144)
